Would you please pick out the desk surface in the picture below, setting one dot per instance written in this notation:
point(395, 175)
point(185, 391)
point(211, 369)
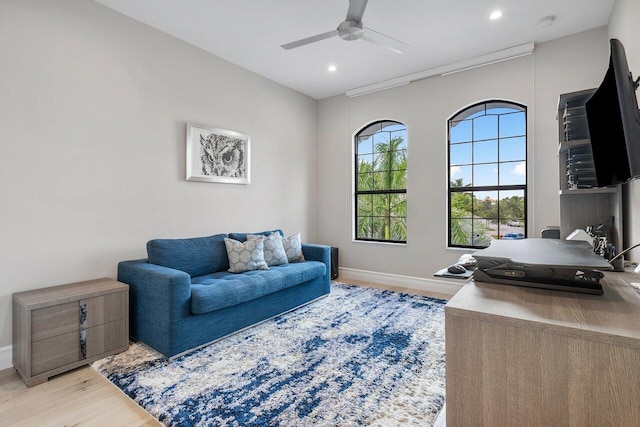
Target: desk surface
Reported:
point(611, 318)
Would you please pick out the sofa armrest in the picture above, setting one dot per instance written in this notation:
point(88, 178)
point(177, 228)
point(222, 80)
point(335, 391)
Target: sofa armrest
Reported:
point(322, 253)
point(159, 302)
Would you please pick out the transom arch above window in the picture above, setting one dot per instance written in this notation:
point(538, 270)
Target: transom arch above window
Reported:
point(380, 177)
point(487, 173)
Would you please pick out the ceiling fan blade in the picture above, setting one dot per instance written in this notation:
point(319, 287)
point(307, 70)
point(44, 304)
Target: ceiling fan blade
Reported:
point(310, 40)
point(383, 40)
point(356, 10)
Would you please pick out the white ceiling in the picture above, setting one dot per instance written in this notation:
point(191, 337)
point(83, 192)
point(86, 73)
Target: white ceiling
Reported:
point(249, 33)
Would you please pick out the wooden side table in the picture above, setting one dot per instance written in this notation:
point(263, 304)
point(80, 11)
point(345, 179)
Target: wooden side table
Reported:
point(59, 328)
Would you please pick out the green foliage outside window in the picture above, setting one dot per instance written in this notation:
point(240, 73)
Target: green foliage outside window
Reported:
point(381, 180)
point(472, 227)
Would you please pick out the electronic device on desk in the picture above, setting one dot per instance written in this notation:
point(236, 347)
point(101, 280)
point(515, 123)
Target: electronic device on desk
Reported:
point(467, 261)
point(561, 265)
point(462, 269)
point(456, 269)
point(597, 238)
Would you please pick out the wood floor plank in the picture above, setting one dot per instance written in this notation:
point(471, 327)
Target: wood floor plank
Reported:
point(81, 397)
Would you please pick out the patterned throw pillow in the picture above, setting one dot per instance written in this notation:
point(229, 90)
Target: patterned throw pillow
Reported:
point(245, 256)
point(293, 248)
point(274, 253)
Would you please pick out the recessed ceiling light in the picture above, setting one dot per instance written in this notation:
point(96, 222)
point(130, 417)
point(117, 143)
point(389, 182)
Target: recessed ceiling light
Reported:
point(495, 15)
point(332, 68)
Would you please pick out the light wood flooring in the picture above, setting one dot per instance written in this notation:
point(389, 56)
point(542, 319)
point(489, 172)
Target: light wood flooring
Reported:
point(83, 397)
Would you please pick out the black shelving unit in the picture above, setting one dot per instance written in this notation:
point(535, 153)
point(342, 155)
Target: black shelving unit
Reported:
point(581, 204)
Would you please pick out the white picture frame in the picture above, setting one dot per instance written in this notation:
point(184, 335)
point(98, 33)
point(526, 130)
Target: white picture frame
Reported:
point(217, 155)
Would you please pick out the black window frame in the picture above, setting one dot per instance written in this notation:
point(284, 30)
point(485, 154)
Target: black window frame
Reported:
point(498, 188)
point(358, 192)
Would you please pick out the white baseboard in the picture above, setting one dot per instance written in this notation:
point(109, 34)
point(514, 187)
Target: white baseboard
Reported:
point(446, 287)
point(5, 357)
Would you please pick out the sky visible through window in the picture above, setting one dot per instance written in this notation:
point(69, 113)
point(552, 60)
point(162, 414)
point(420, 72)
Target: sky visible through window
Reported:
point(479, 141)
point(366, 143)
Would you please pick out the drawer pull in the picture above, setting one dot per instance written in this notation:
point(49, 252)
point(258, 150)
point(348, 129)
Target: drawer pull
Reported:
point(83, 328)
point(83, 343)
point(83, 314)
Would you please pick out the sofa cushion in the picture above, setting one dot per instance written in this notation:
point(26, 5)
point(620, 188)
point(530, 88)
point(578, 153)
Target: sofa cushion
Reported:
point(223, 289)
point(196, 256)
point(245, 256)
point(242, 237)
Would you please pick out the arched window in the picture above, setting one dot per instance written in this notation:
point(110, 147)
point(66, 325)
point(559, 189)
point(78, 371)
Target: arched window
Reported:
point(381, 182)
point(487, 152)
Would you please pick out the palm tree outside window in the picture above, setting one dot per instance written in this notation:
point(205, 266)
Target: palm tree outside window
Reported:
point(487, 174)
point(381, 182)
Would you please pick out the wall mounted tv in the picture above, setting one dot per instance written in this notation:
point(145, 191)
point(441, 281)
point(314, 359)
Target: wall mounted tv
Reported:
point(614, 122)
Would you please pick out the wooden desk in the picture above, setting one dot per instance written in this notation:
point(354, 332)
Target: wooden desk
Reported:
point(531, 357)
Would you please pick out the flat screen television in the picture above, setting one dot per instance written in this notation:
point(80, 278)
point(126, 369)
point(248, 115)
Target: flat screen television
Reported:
point(614, 123)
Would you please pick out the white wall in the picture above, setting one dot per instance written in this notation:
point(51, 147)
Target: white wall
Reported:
point(623, 25)
point(565, 65)
point(93, 108)
point(568, 64)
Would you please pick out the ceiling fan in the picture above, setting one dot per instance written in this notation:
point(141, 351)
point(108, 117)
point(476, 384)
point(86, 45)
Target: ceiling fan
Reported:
point(352, 29)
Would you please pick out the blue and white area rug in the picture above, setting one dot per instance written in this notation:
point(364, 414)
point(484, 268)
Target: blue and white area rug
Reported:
point(360, 356)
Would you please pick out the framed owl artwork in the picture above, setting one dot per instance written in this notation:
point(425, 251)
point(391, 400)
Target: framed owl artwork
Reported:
point(217, 155)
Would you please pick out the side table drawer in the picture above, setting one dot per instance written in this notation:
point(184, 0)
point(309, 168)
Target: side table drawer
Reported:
point(53, 352)
point(107, 337)
point(106, 308)
point(56, 320)
point(77, 345)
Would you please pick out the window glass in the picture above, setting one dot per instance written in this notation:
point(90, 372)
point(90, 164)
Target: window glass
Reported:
point(460, 176)
point(380, 182)
point(365, 145)
point(512, 124)
point(461, 131)
point(461, 154)
point(513, 173)
point(485, 127)
point(487, 146)
point(485, 174)
point(485, 151)
point(513, 149)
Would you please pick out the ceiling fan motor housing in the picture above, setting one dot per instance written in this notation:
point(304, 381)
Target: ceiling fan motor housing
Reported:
point(350, 30)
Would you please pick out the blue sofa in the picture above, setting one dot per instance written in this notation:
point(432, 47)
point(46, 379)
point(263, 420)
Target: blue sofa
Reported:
point(182, 296)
